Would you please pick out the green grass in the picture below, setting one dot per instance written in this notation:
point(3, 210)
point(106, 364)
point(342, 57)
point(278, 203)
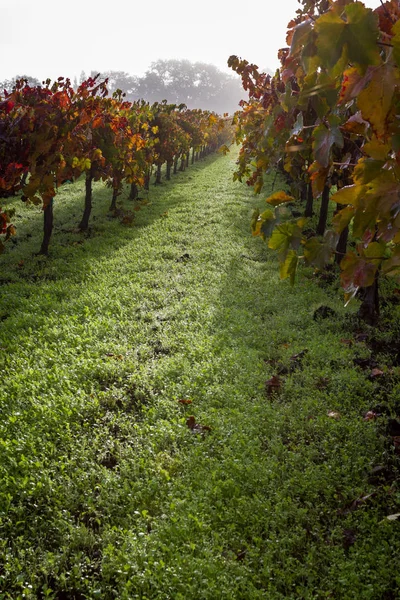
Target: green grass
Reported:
point(105, 491)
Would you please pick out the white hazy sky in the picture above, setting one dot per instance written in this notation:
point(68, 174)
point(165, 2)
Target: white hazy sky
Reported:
point(46, 38)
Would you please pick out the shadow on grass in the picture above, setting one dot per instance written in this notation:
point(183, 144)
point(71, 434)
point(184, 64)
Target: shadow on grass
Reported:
point(72, 252)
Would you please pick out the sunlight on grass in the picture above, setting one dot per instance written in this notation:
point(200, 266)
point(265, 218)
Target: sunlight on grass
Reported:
point(113, 342)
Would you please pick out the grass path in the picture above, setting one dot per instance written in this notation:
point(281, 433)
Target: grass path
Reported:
point(105, 490)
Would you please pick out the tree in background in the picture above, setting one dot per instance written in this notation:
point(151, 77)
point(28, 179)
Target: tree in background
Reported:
point(120, 80)
point(8, 84)
point(198, 85)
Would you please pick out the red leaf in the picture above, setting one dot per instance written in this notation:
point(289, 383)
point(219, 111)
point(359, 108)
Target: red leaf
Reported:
point(191, 422)
point(196, 427)
point(7, 106)
point(273, 385)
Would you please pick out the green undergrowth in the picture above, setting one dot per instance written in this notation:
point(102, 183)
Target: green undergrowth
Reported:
point(277, 488)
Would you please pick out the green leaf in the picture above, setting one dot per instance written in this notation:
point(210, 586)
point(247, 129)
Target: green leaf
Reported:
point(391, 266)
point(288, 268)
point(342, 219)
point(284, 236)
point(358, 36)
point(301, 36)
point(330, 28)
point(318, 253)
point(362, 35)
point(298, 126)
point(279, 240)
point(258, 185)
point(262, 224)
point(375, 251)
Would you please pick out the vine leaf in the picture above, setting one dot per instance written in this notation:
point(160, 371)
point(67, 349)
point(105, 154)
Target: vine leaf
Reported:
point(283, 237)
point(357, 37)
point(300, 36)
point(279, 198)
point(396, 42)
point(342, 219)
point(318, 176)
point(375, 100)
point(349, 194)
point(288, 268)
point(318, 253)
point(357, 271)
point(323, 140)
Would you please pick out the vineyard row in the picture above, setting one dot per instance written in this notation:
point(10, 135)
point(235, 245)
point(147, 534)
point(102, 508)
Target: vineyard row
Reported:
point(53, 134)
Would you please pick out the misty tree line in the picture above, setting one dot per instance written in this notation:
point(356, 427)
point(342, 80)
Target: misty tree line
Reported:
point(198, 85)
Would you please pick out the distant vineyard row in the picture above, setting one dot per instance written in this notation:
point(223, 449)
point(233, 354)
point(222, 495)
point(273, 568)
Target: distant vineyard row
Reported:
point(329, 119)
point(53, 134)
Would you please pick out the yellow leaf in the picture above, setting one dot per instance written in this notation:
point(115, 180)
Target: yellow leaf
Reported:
point(377, 149)
point(279, 198)
point(375, 101)
point(349, 194)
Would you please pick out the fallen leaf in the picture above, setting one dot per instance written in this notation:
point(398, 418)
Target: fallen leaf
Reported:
point(376, 372)
point(127, 219)
point(357, 503)
point(273, 385)
point(393, 517)
point(191, 422)
point(370, 416)
point(185, 401)
point(297, 359)
point(299, 356)
point(196, 427)
point(333, 414)
point(116, 356)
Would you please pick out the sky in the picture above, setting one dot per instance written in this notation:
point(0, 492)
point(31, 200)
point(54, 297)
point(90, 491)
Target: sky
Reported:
point(52, 39)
